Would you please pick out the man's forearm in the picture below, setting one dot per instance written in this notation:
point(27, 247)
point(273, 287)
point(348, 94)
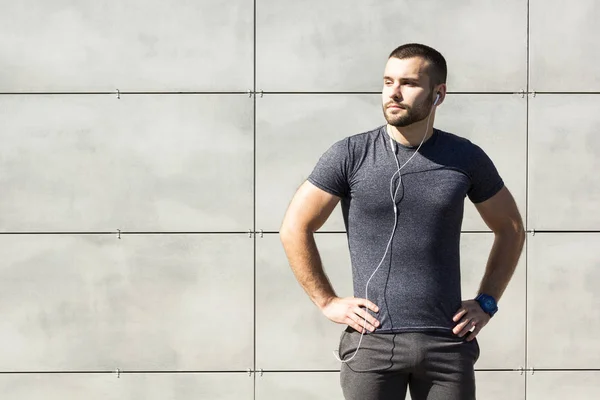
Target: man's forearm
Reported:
point(502, 262)
point(305, 261)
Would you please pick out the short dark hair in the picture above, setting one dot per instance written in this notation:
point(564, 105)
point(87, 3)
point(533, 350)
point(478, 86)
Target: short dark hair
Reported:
point(438, 70)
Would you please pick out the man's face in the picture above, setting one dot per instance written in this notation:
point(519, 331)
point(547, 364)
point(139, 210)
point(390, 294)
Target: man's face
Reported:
point(407, 96)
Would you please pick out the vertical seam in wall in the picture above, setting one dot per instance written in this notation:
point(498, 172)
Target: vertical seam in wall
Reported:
point(527, 201)
point(254, 187)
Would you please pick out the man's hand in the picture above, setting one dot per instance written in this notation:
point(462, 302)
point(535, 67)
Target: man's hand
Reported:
point(348, 311)
point(470, 317)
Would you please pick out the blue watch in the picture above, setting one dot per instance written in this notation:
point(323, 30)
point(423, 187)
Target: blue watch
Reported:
point(487, 303)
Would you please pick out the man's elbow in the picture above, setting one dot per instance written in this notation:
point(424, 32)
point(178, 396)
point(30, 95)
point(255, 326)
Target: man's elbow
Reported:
point(285, 233)
point(290, 229)
point(513, 229)
point(520, 235)
point(519, 229)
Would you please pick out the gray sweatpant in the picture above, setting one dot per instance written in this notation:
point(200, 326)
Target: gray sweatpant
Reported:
point(433, 365)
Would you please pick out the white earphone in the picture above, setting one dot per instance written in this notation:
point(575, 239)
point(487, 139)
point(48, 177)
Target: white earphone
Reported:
point(393, 196)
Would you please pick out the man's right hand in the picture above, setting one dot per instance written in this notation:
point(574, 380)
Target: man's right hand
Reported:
point(348, 311)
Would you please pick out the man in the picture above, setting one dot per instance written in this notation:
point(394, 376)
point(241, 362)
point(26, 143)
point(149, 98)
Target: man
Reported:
point(402, 188)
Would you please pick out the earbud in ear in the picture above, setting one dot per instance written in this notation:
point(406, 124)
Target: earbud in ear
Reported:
point(437, 98)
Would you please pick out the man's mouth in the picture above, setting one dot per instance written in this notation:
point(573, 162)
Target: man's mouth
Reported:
point(396, 106)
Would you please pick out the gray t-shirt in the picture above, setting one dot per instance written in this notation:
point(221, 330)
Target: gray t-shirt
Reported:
point(417, 287)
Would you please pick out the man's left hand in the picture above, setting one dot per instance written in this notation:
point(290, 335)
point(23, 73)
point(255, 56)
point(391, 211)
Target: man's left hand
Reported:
point(470, 316)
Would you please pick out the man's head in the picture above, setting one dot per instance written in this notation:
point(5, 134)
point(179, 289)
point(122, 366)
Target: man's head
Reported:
point(414, 75)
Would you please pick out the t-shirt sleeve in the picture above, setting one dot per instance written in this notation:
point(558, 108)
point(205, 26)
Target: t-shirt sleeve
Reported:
point(485, 179)
point(331, 171)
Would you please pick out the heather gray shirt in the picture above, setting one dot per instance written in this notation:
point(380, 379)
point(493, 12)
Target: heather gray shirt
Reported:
point(417, 287)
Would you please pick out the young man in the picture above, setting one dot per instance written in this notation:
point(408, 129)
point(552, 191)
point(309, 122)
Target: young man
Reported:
point(402, 188)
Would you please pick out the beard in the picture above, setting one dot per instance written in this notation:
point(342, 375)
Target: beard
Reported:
point(409, 115)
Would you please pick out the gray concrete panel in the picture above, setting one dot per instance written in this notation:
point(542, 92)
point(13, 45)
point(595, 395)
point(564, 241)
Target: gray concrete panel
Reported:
point(502, 340)
point(292, 132)
point(500, 385)
point(497, 124)
point(562, 301)
point(560, 385)
point(82, 46)
point(299, 386)
point(563, 162)
point(564, 47)
point(64, 386)
point(291, 332)
point(491, 385)
point(344, 45)
point(141, 303)
point(152, 163)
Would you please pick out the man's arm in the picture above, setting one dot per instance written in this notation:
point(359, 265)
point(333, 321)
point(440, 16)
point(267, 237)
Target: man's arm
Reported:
point(309, 209)
point(502, 216)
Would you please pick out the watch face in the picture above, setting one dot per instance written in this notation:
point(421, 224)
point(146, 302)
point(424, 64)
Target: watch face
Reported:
point(489, 303)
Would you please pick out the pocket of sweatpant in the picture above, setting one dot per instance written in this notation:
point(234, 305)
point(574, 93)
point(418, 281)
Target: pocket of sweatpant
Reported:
point(470, 348)
point(474, 344)
point(478, 349)
point(341, 350)
point(349, 344)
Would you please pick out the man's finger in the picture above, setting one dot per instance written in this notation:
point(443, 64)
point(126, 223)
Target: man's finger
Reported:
point(459, 327)
point(365, 315)
point(367, 303)
point(474, 333)
point(361, 322)
point(353, 324)
point(459, 314)
point(467, 328)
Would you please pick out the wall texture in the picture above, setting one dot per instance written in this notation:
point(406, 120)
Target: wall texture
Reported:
point(150, 149)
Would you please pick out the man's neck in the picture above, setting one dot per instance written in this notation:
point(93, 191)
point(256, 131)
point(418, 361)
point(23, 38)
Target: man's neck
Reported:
point(411, 135)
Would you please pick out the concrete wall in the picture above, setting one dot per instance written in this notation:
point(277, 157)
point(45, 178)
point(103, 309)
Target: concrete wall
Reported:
point(134, 164)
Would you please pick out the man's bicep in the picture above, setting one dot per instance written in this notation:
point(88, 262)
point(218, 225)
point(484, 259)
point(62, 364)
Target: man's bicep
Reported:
point(500, 212)
point(309, 209)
